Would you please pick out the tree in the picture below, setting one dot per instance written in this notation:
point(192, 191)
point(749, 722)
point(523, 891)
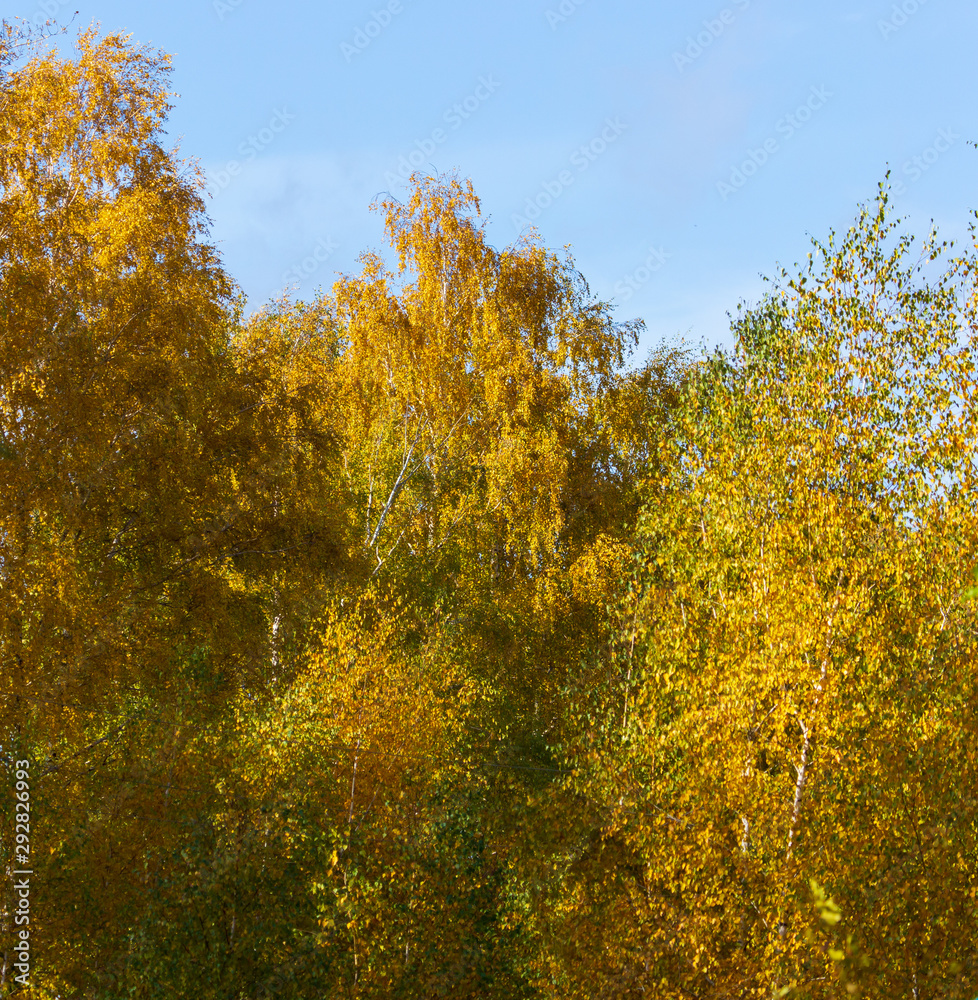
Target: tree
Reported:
point(285, 600)
point(404, 643)
point(132, 548)
point(792, 673)
point(483, 578)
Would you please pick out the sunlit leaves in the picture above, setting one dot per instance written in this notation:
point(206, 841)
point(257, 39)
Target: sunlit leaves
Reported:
point(404, 643)
point(794, 658)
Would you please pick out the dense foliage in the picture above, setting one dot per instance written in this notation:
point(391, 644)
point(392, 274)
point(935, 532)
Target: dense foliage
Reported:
point(407, 642)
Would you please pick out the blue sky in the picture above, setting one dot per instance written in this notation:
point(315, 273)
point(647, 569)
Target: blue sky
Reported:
point(680, 150)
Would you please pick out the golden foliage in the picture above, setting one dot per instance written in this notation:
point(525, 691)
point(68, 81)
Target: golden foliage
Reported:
point(405, 643)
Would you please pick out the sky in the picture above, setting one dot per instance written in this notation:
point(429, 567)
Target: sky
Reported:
point(681, 151)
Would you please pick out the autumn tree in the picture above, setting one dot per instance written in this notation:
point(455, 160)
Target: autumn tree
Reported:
point(788, 708)
point(140, 468)
point(284, 599)
point(404, 642)
point(488, 443)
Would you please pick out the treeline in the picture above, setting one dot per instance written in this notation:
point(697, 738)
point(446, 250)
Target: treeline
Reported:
point(408, 642)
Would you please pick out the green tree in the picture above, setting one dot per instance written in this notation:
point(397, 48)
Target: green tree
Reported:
point(791, 694)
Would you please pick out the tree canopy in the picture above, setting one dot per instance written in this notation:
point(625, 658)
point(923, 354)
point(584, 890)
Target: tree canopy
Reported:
point(415, 641)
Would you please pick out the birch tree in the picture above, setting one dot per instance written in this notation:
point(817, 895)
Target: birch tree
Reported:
point(790, 700)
